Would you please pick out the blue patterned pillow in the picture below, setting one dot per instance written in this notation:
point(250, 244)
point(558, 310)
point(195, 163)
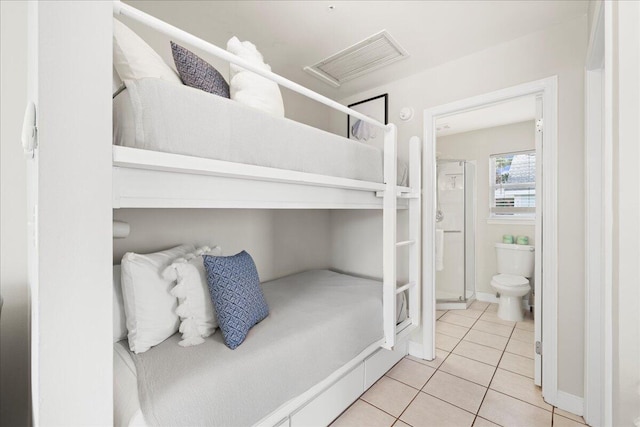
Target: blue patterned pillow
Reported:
point(235, 290)
point(196, 72)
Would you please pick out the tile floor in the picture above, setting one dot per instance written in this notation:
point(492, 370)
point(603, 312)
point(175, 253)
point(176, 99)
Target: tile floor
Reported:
point(482, 376)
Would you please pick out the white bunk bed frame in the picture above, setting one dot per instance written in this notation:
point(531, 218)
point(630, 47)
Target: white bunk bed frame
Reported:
point(150, 179)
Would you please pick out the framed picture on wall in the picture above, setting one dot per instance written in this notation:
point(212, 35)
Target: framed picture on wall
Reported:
point(377, 108)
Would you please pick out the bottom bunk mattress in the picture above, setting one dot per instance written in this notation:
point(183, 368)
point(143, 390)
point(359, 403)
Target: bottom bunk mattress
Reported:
point(153, 114)
point(318, 321)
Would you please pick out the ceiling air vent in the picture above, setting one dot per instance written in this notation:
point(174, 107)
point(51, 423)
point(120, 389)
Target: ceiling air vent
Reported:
point(370, 54)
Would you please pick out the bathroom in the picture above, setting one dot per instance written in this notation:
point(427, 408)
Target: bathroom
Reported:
point(486, 228)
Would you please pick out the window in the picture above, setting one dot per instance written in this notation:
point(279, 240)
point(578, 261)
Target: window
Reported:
point(512, 190)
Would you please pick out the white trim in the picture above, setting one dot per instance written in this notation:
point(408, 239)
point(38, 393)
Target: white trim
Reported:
point(608, 215)
point(548, 89)
point(596, 181)
point(509, 221)
point(569, 402)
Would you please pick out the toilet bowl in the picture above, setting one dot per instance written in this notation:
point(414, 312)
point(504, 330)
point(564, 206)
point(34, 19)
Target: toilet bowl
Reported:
point(515, 265)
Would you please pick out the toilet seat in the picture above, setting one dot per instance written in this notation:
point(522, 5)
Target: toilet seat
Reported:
point(510, 280)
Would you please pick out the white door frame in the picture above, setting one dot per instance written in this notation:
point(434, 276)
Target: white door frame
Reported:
point(598, 221)
point(548, 89)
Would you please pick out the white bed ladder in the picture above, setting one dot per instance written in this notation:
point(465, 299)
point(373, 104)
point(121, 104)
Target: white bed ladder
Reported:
point(394, 331)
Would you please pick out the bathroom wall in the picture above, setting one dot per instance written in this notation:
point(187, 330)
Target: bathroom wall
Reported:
point(477, 146)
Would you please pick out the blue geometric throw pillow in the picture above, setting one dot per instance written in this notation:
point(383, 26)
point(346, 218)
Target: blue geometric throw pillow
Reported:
point(196, 72)
point(235, 290)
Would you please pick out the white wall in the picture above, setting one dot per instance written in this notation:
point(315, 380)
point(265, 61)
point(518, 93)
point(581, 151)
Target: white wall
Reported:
point(558, 50)
point(14, 321)
point(479, 145)
point(280, 241)
point(626, 211)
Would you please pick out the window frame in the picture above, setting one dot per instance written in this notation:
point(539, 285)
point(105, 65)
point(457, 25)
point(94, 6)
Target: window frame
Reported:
point(511, 215)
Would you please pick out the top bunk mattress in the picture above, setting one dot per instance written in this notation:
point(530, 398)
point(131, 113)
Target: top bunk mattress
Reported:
point(153, 114)
point(319, 320)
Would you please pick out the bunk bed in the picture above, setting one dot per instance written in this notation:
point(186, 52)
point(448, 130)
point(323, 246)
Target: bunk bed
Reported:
point(159, 174)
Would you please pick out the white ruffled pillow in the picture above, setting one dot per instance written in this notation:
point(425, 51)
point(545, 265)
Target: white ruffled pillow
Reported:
point(148, 304)
point(134, 59)
point(249, 88)
point(195, 308)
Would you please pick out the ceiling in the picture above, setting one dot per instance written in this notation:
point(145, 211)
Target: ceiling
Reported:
point(514, 111)
point(294, 34)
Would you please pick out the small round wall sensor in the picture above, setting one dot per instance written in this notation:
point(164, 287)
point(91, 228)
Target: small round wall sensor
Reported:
point(406, 113)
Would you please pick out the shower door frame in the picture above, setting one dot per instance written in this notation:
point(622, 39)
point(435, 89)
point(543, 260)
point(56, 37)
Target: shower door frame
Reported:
point(546, 276)
point(451, 304)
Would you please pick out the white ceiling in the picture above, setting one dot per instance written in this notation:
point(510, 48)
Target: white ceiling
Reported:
point(293, 34)
point(504, 113)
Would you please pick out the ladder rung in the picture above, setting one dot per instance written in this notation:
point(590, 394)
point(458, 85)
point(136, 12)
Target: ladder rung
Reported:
point(406, 243)
point(405, 287)
point(402, 325)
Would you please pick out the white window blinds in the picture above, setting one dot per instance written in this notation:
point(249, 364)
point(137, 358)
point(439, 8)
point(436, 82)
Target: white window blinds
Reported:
point(512, 185)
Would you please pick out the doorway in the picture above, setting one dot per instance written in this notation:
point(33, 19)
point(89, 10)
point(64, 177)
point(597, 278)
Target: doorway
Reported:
point(544, 283)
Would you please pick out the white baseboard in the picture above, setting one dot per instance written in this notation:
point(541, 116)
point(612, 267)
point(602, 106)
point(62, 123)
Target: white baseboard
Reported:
point(570, 403)
point(486, 297)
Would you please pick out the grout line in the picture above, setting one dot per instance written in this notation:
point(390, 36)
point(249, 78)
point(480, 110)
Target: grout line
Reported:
point(380, 409)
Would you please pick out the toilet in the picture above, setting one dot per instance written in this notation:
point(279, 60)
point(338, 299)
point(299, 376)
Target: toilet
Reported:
point(515, 266)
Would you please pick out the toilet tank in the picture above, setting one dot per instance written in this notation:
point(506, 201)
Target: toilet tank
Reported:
point(515, 259)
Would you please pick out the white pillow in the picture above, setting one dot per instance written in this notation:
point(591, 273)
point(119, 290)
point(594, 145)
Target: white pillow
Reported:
point(249, 88)
point(148, 304)
point(134, 59)
point(195, 308)
point(119, 319)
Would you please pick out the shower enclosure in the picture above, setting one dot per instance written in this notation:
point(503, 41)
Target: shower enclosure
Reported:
point(455, 234)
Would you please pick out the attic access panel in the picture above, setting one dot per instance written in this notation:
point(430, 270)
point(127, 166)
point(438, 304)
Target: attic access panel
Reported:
point(376, 51)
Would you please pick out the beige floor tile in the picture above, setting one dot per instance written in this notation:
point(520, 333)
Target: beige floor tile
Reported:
point(518, 364)
point(478, 352)
point(490, 340)
point(493, 308)
point(527, 325)
point(508, 411)
point(363, 414)
point(521, 348)
point(474, 314)
point(472, 370)
point(479, 305)
point(440, 356)
point(427, 411)
point(493, 328)
point(481, 422)
point(440, 313)
point(522, 335)
point(411, 373)
point(445, 342)
point(559, 421)
point(456, 319)
point(490, 316)
point(569, 415)
point(458, 392)
point(520, 387)
point(451, 329)
point(390, 395)
point(401, 424)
